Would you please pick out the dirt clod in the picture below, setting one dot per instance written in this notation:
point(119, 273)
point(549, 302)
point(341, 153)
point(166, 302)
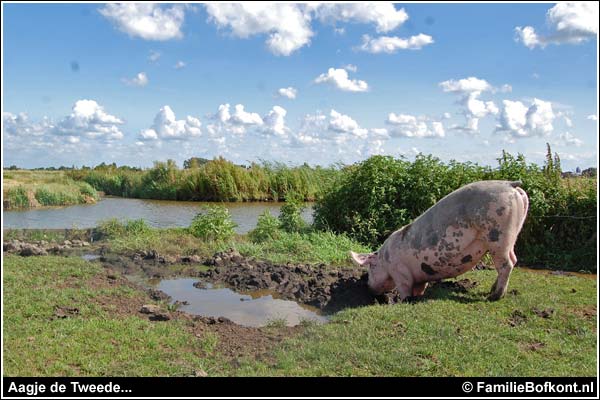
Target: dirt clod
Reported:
point(545, 313)
point(517, 318)
point(65, 312)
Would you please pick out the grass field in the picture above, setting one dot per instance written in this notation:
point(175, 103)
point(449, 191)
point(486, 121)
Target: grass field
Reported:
point(44, 335)
point(546, 326)
point(455, 334)
point(28, 189)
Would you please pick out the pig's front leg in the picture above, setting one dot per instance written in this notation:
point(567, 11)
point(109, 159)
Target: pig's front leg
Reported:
point(404, 282)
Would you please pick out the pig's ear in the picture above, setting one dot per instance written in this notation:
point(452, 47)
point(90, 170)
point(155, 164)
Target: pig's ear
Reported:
point(361, 259)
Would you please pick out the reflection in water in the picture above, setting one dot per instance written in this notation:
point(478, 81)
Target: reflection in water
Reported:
point(157, 213)
point(245, 309)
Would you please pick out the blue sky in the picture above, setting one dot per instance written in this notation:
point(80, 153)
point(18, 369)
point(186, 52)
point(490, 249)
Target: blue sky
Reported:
point(86, 83)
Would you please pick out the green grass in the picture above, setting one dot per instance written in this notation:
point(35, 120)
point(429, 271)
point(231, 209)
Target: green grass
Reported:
point(452, 334)
point(449, 333)
point(96, 342)
point(306, 247)
point(26, 189)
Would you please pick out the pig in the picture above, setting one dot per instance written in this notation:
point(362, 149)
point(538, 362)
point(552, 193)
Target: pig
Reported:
point(450, 238)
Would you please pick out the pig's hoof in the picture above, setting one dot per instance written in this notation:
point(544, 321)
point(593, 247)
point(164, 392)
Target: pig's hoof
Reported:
point(494, 296)
point(412, 299)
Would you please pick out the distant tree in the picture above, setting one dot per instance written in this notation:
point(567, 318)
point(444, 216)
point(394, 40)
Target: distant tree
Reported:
point(194, 162)
point(13, 167)
point(578, 171)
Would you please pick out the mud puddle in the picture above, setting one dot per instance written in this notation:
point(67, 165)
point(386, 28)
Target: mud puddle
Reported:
point(90, 257)
point(253, 308)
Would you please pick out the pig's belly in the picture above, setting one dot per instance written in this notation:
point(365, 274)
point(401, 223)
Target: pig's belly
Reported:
point(453, 256)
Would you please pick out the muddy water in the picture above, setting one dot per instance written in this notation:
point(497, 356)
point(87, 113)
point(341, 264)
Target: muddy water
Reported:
point(157, 213)
point(255, 308)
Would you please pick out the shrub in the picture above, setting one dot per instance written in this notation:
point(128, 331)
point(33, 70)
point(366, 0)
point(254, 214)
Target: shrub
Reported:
point(114, 228)
point(290, 215)
point(111, 228)
point(214, 224)
point(372, 199)
point(136, 227)
point(267, 228)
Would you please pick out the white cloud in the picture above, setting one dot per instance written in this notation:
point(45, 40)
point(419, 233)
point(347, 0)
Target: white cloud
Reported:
point(506, 88)
point(167, 127)
point(339, 78)
point(383, 15)
point(592, 117)
point(233, 123)
point(342, 123)
point(518, 120)
point(570, 140)
point(466, 85)
point(242, 117)
point(20, 125)
point(89, 119)
point(469, 89)
point(350, 67)
point(288, 25)
point(154, 56)
point(391, 44)
point(288, 92)
point(141, 80)
point(274, 121)
point(146, 20)
point(569, 23)
point(406, 125)
point(179, 64)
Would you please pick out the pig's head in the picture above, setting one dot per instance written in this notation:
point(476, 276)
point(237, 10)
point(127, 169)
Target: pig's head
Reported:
point(379, 280)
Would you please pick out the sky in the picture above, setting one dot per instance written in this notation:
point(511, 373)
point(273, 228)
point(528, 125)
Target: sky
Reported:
point(319, 83)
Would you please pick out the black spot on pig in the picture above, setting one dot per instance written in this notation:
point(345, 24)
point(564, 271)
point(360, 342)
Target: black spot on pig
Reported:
point(494, 235)
point(466, 259)
point(427, 269)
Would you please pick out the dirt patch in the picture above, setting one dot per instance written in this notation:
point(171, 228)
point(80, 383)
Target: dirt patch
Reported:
point(587, 312)
point(517, 317)
point(535, 346)
point(328, 288)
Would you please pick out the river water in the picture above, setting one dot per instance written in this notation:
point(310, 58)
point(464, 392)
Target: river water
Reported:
point(157, 213)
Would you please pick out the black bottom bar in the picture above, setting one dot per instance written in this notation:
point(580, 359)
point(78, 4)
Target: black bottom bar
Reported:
point(299, 387)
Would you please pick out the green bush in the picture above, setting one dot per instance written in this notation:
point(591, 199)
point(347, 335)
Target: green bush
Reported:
point(114, 228)
point(267, 228)
point(290, 214)
point(214, 224)
point(370, 200)
point(111, 228)
point(136, 227)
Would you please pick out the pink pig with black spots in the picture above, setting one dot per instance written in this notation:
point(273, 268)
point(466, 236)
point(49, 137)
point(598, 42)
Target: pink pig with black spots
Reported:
point(449, 238)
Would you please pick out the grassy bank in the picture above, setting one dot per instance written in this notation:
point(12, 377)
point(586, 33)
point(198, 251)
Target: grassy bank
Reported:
point(27, 189)
point(214, 180)
point(62, 317)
